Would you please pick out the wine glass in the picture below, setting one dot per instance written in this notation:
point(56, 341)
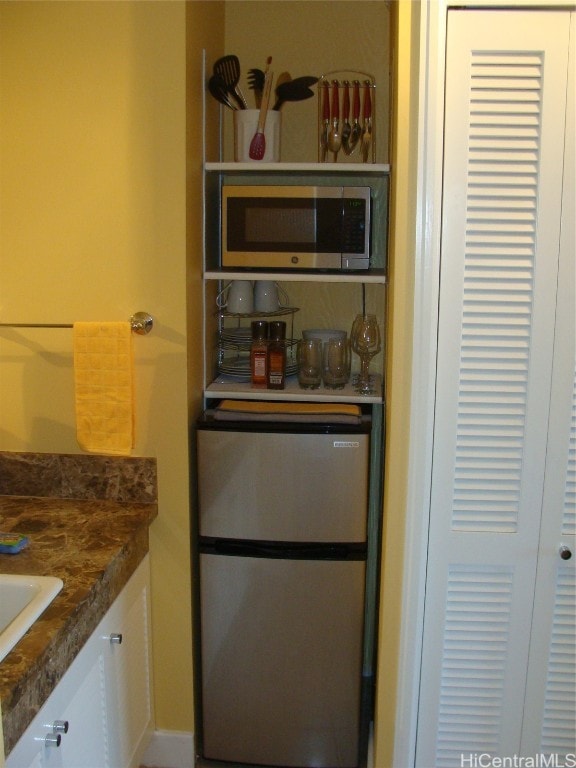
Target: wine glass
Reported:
point(366, 342)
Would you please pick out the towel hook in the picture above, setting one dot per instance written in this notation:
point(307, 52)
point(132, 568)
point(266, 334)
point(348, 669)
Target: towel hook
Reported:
point(142, 323)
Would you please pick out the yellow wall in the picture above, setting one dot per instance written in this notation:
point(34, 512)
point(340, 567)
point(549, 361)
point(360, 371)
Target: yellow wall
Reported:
point(311, 38)
point(100, 206)
point(93, 227)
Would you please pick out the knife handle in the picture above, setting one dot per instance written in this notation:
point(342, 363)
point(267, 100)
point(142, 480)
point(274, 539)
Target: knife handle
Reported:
point(367, 113)
point(356, 100)
point(326, 102)
point(346, 101)
point(335, 101)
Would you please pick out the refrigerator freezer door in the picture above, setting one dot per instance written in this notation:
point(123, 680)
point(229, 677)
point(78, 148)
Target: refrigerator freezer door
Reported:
point(283, 486)
point(281, 660)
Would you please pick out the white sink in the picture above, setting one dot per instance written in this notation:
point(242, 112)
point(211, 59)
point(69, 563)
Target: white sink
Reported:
point(22, 600)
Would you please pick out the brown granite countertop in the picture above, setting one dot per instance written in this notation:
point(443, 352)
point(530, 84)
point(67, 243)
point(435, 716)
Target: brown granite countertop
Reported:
point(92, 544)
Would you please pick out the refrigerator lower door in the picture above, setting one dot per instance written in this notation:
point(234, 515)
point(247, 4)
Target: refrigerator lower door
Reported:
point(281, 660)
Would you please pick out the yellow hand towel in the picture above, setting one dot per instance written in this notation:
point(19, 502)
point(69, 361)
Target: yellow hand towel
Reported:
point(104, 383)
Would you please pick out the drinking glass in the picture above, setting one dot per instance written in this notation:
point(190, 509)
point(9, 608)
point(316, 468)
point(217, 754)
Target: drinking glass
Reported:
point(309, 355)
point(366, 342)
point(336, 363)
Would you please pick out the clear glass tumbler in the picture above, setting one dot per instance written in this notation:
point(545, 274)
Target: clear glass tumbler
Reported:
point(336, 363)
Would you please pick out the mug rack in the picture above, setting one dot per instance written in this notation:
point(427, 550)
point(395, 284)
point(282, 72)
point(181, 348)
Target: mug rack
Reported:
point(235, 340)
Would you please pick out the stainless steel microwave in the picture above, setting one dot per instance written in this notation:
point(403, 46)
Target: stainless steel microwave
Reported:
point(296, 227)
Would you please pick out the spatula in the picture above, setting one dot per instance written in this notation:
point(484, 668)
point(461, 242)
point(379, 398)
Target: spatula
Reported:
point(258, 143)
point(228, 67)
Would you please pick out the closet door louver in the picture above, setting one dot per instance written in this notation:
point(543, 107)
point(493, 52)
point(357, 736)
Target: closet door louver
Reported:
point(499, 265)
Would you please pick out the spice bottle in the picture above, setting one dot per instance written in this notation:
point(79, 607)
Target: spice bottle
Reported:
point(259, 354)
point(277, 355)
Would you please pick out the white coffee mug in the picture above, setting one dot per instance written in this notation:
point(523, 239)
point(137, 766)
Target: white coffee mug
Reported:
point(269, 296)
point(237, 297)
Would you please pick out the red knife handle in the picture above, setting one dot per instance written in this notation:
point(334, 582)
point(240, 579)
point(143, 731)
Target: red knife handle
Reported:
point(326, 101)
point(335, 101)
point(356, 100)
point(346, 101)
point(367, 100)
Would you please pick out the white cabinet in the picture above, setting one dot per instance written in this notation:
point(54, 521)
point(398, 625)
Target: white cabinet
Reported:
point(100, 713)
point(498, 656)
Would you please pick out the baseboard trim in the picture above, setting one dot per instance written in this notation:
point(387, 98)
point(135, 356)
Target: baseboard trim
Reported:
point(170, 749)
point(175, 749)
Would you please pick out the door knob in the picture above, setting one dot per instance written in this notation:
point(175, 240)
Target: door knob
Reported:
point(565, 552)
point(116, 637)
point(52, 740)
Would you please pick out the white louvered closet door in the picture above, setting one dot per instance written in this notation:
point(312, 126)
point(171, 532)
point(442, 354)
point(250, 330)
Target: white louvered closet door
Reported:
point(550, 711)
point(504, 154)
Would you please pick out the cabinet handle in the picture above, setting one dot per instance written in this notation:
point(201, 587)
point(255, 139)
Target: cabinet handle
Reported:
point(565, 552)
point(116, 637)
point(52, 740)
point(60, 726)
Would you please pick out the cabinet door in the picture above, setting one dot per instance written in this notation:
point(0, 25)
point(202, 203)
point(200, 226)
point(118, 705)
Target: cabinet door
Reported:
point(504, 142)
point(81, 703)
point(78, 700)
point(105, 695)
point(128, 670)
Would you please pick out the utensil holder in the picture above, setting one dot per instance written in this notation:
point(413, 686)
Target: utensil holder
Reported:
point(347, 153)
point(245, 125)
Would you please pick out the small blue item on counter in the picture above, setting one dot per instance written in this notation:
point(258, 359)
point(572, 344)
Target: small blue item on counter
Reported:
point(11, 543)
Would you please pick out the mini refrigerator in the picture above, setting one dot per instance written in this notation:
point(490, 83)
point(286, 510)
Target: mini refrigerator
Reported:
point(281, 534)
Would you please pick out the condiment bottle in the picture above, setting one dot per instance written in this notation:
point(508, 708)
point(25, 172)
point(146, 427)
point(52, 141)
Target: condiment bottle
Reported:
point(277, 355)
point(259, 354)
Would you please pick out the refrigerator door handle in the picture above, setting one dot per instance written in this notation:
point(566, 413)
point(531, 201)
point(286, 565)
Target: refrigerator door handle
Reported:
point(283, 550)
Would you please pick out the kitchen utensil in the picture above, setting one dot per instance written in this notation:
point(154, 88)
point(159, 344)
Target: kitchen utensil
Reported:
point(245, 125)
point(335, 136)
point(228, 67)
point(219, 91)
point(356, 128)
point(325, 128)
point(258, 143)
point(256, 84)
point(294, 90)
point(283, 77)
point(346, 127)
point(367, 122)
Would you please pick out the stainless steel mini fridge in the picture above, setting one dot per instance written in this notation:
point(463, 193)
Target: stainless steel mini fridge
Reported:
point(282, 553)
